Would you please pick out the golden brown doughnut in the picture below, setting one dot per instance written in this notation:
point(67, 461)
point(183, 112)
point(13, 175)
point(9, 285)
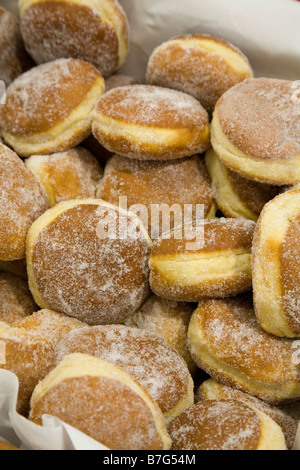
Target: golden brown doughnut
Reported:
point(29, 356)
point(150, 359)
point(189, 264)
point(235, 195)
point(169, 185)
point(225, 425)
point(226, 341)
point(212, 390)
point(96, 31)
point(88, 259)
point(114, 81)
point(276, 278)
point(150, 123)
point(48, 109)
point(198, 64)
point(22, 202)
point(14, 59)
point(103, 401)
point(16, 301)
point(73, 174)
point(255, 130)
point(167, 319)
point(48, 323)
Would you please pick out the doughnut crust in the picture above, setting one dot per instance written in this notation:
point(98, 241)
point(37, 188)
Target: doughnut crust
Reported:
point(168, 319)
point(22, 201)
point(73, 174)
point(255, 130)
point(16, 301)
point(225, 425)
point(276, 263)
point(189, 264)
point(14, 59)
point(168, 184)
point(150, 123)
point(212, 390)
point(226, 341)
point(198, 64)
point(48, 109)
point(96, 31)
point(153, 363)
point(235, 195)
point(29, 356)
point(88, 259)
point(48, 323)
point(103, 401)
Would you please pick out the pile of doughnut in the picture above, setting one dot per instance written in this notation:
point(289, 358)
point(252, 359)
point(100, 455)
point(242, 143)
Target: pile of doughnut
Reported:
point(147, 341)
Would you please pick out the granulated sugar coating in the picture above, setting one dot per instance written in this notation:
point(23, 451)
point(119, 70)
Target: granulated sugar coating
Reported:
point(150, 123)
point(89, 261)
point(216, 425)
point(22, 201)
point(261, 118)
point(16, 301)
point(147, 357)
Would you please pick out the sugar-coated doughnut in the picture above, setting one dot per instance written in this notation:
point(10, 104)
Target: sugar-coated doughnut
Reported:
point(196, 261)
point(88, 259)
point(48, 109)
point(160, 187)
point(168, 319)
point(255, 130)
point(17, 268)
point(14, 59)
point(103, 401)
point(226, 341)
point(225, 425)
point(212, 390)
point(117, 80)
point(146, 356)
point(276, 263)
point(22, 202)
point(198, 64)
point(73, 174)
point(150, 123)
point(29, 356)
point(16, 301)
point(48, 323)
point(96, 31)
point(235, 195)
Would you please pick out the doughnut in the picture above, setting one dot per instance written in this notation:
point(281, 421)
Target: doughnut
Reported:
point(16, 301)
point(255, 130)
point(48, 109)
point(225, 425)
point(167, 319)
point(197, 261)
point(158, 187)
point(29, 356)
point(22, 202)
point(150, 123)
point(73, 174)
point(276, 278)
point(103, 401)
point(150, 359)
point(14, 59)
point(212, 390)
point(236, 196)
point(48, 323)
point(17, 268)
point(198, 64)
point(117, 80)
point(226, 341)
point(88, 259)
point(96, 31)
